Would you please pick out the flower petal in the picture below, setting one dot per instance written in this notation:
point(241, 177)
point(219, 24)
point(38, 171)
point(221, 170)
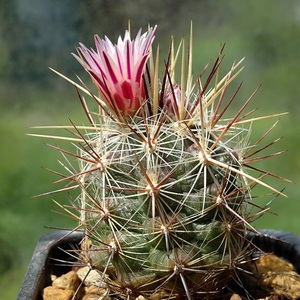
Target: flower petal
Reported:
point(118, 70)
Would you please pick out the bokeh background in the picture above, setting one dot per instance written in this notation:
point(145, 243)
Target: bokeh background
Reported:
point(36, 34)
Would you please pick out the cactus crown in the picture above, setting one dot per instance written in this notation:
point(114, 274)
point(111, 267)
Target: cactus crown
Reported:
point(165, 201)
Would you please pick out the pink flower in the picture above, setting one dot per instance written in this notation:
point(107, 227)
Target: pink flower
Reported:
point(171, 103)
point(117, 70)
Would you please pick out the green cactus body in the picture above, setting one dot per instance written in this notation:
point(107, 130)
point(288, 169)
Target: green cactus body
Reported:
point(165, 199)
point(155, 207)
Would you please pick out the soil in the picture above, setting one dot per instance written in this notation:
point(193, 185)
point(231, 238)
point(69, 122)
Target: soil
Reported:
point(272, 279)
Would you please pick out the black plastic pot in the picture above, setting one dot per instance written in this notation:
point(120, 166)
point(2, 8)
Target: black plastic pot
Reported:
point(282, 243)
point(51, 248)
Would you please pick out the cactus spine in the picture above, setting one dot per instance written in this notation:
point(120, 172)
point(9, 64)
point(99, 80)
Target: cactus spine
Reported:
point(165, 198)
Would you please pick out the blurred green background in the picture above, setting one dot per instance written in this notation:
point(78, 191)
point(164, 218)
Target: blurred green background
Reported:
point(37, 34)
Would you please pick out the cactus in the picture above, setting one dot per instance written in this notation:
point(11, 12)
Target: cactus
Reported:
point(165, 198)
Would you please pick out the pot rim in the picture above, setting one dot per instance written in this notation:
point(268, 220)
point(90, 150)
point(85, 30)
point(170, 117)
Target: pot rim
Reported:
point(48, 246)
point(53, 244)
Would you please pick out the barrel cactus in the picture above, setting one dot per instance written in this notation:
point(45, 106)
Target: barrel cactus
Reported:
point(165, 198)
